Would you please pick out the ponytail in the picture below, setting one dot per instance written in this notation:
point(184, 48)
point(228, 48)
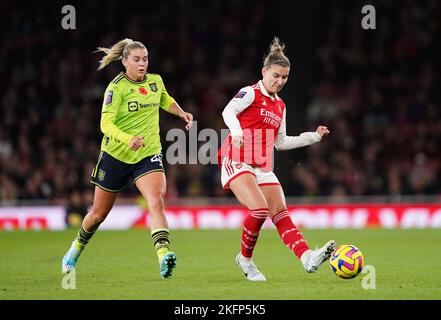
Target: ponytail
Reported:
point(276, 55)
point(118, 51)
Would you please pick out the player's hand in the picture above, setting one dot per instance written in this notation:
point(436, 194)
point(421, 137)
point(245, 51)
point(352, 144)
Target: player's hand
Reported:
point(187, 117)
point(136, 143)
point(322, 131)
point(237, 141)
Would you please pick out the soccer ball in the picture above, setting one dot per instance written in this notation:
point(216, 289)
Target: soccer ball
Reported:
point(347, 261)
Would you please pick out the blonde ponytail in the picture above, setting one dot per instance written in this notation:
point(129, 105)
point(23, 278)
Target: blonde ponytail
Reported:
point(118, 51)
point(276, 55)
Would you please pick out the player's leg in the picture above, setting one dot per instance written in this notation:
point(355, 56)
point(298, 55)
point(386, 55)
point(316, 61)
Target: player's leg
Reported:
point(289, 233)
point(247, 192)
point(153, 187)
point(102, 204)
point(109, 176)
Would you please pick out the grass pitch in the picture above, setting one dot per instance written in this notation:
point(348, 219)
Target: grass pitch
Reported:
point(122, 265)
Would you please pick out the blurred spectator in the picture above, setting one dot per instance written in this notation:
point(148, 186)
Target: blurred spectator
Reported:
point(76, 209)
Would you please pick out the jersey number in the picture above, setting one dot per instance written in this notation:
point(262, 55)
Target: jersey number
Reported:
point(156, 158)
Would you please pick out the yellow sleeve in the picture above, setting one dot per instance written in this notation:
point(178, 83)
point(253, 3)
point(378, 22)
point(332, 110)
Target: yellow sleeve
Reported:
point(111, 104)
point(166, 99)
point(109, 128)
point(112, 99)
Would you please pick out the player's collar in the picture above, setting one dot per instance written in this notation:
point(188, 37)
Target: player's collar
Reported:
point(265, 93)
point(133, 81)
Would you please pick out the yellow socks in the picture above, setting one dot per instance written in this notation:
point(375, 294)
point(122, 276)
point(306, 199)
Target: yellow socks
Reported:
point(161, 242)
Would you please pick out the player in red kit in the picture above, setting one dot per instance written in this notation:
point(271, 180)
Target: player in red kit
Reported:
point(256, 117)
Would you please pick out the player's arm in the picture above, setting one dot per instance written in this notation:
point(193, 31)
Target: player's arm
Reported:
point(171, 106)
point(284, 142)
point(109, 128)
point(112, 99)
point(242, 100)
point(176, 110)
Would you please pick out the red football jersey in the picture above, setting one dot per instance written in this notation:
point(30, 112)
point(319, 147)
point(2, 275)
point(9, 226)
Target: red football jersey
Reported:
point(260, 122)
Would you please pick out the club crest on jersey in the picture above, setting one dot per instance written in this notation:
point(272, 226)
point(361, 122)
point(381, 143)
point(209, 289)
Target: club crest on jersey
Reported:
point(132, 90)
point(153, 87)
point(240, 94)
point(239, 165)
point(142, 91)
point(101, 174)
point(109, 97)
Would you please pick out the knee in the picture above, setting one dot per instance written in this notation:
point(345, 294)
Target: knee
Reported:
point(156, 202)
point(97, 216)
point(261, 207)
point(255, 204)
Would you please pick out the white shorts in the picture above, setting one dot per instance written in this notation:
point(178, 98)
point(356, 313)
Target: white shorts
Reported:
point(231, 170)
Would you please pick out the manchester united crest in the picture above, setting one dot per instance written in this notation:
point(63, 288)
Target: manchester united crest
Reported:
point(153, 87)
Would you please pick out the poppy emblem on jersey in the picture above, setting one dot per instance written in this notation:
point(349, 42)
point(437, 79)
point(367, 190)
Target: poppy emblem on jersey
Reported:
point(142, 91)
point(109, 97)
point(240, 94)
point(239, 165)
point(153, 87)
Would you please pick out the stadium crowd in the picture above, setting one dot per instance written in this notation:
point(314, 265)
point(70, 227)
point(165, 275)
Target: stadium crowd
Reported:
point(378, 92)
point(51, 99)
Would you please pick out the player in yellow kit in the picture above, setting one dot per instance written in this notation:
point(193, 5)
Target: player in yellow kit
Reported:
point(131, 149)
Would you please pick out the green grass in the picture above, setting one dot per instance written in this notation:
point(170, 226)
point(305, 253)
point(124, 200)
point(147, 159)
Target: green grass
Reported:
point(122, 265)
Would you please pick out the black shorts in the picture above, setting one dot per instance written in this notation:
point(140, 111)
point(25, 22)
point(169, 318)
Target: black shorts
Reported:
point(112, 175)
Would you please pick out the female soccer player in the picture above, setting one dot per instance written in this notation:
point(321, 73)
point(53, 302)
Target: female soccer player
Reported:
point(131, 149)
point(256, 117)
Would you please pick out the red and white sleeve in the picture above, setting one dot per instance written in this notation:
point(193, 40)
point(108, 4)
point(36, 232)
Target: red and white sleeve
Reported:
point(242, 100)
point(284, 142)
